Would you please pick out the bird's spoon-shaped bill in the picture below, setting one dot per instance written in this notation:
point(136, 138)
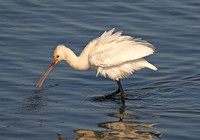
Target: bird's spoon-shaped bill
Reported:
point(40, 82)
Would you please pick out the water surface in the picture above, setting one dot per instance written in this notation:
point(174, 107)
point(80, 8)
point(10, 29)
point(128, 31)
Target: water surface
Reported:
point(159, 105)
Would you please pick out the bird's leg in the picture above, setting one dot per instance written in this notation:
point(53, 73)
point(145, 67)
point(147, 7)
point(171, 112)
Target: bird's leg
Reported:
point(112, 94)
point(120, 89)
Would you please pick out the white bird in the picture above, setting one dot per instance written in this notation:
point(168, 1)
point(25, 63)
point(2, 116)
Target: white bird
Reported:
point(111, 55)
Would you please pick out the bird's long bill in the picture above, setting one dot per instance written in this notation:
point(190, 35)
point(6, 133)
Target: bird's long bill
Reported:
point(40, 82)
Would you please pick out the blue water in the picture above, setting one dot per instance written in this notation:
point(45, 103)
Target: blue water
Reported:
point(161, 104)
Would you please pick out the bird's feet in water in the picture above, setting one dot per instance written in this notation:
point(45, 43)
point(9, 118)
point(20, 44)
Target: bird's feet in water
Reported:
point(116, 92)
point(112, 94)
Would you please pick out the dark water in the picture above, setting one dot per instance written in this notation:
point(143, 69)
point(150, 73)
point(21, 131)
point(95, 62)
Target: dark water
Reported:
point(159, 105)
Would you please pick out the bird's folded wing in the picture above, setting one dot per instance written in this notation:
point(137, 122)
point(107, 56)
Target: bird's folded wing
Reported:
point(118, 50)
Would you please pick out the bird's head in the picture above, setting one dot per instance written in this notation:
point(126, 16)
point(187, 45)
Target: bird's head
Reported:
point(59, 53)
point(58, 56)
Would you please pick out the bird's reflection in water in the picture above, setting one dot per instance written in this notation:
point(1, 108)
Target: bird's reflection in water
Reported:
point(116, 130)
point(119, 130)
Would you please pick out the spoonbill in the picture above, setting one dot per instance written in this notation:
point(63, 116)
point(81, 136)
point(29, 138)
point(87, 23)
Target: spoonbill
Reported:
point(112, 55)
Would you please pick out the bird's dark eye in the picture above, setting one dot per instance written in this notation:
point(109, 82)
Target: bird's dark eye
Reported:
point(57, 56)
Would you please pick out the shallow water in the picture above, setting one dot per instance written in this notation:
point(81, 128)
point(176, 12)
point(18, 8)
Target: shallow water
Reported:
point(159, 105)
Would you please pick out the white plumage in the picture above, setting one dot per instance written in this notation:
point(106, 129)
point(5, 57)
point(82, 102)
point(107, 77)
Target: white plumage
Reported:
point(111, 55)
point(118, 56)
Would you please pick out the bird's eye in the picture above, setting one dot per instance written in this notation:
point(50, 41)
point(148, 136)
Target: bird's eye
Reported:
point(57, 56)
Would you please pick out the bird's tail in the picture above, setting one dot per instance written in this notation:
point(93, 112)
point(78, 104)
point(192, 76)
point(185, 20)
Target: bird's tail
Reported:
point(148, 65)
point(152, 67)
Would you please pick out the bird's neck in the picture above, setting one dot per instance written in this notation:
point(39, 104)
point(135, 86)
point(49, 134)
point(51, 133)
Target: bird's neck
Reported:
point(77, 62)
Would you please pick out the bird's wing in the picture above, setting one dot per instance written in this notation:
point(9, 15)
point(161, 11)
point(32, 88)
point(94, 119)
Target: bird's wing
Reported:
point(113, 49)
